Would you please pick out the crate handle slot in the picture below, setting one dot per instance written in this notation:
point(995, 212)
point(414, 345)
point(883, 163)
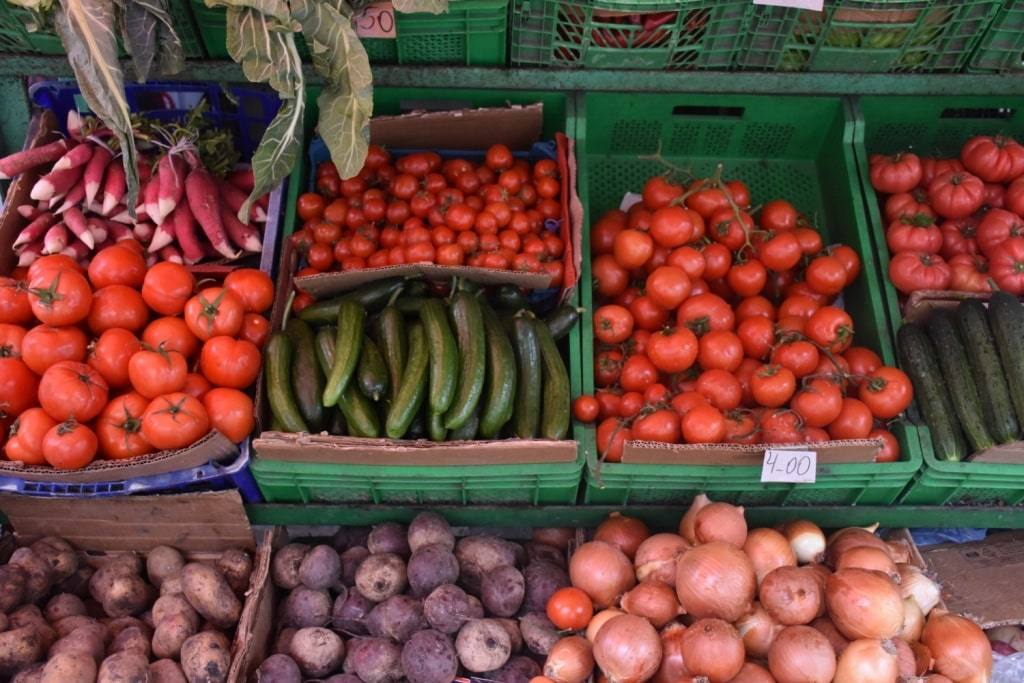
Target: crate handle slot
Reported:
point(1005, 113)
point(702, 110)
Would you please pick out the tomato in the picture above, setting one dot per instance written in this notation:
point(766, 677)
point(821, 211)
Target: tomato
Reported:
point(310, 206)
point(890, 451)
point(798, 305)
point(801, 357)
point(14, 305)
point(720, 349)
point(586, 409)
point(994, 159)
point(569, 609)
point(780, 251)
point(661, 426)
point(931, 168)
point(904, 204)
point(830, 328)
point(772, 385)
point(301, 301)
point(686, 401)
point(826, 275)
point(45, 345)
point(956, 195)
point(228, 362)
point(706, 200)
point(11, 339)
point(755, 306)
point(747, 279)
point(612, 279)
point(778, 215)
point(647, 314)
point(741, 427)
point(862, 362)
point(997, 226)
point(970, 274)
point(656, 394)
point(69, 445)
point(730, 229)
point(174, 421)
point(167, 287)
point(886, 392)
point(815, 435)
point(255, 329)
point(253, 287)
point(897, 173)
point(781, 426)
point(60, 297)
point(638, 373)
point(117, 265)
point(119, 428)
point(687, 259)
point(117, 306)
point(672, 351)
point(911, 271)
point(809, 239)
point(612, 324)
point(612, 435)
point(172, 334)
point(110, 355)
point(213, 312)
point(915, 233)
point(705, 312)
point(853, 422)
point(72, 390)
point(958, 237)
point(995, 196)
point(720, 388)
point(499, 157)
point(25, 444)
point(819, 403)
point(610, 401)
point(673, 226)
point(18, 386)
point(1014, 197)
point(658, 193)
point(155, 372)
point(633, 248)
point(231, 413)
point(54, 263)
point(757, 334)
point(717, 261)
point(703, 424)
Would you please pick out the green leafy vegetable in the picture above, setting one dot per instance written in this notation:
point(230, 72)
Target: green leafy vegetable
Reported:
point(432, 6)
point(149, 36)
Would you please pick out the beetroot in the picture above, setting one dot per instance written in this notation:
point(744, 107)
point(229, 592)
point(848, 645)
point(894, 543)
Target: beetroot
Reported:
point(502, 591)
point(543, 552)
point(516, 670)
point(320, 568)
point(397, 618)
point(374, 660)
point(539, 634)
point(349, 613)
point(483, 645)
point(542, 580)
point(448, 607)
point(389, 538)
point(430, 528)
point(279, 669)
point(380, 576)
point(431, 566)
point(306, 607)
point(350, 561)
point(429, 657)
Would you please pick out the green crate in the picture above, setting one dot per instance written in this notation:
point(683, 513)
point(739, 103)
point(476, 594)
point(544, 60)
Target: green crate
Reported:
point(701, 34)
point(531, 484)
point(1002, 47)
point(929, 36)
point(794, 147)
point(935, 126)
point(472, 33)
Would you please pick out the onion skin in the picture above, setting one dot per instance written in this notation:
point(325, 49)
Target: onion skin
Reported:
point(801, 654)
point(570, 660)
point(558, 537)
point(791, 595)
point(961, 650)
point(899, 551)
point(851, 537)
point(867, 557)
point(868, 661)
point(653, 600)
point(625, 533)
point(828, 629)
point(806, 539)
point(721, 522)
point(922, 657)
point(686, 524)
point(915, 584)
point(657, 556)
point(672, 669)
point(913, 621)
point(601, 571)
point(713, 648)
point(864, 604)
point(599, 620)
point(628, 649)
point(768, 550)
point(715, 580)
point(758, 631)
point(753, 673)
point(906, 662)
point(821, 572)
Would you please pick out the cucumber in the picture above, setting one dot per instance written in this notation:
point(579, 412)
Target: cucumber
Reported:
point(347, 346)
point(554, 423)
point(1006, 316)
point(526, 418)
point(410, 305)
point(418, 426)
point(336, 423)
point(371, 297)
point(275, 425)
point(279, 384)
point(323, 343)
point(988, 371)
point(444, 356)
point(468, 431)
point(413, 387)
point(959, 381)
point(561, 321)
point(435, 427)
point(469, 328)
point(360, 414)
point(509, 298)
point(389, 332)
point(372, 373)
point(500, 389)
point(917, 356)
point(307, 377)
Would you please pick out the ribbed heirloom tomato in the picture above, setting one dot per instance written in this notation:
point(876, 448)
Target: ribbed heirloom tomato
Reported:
point(914, 233)
point(897, 173)
point(119, 427)
point(995, 228)
point(956, 194)
point(72, 390)
point(911, 271)
point(994, 159)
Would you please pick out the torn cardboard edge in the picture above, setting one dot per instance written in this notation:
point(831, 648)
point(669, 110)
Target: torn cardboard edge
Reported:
point(517, 126)
point(252, 637)
point(741, 455)
point(326, 285)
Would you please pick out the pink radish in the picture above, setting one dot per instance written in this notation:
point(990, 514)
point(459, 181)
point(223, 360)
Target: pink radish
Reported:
point(98, 230)
point(93, 175)
point(76, 250)
point(34, 230)
point(113, 188)
point(204, 202)
point(151, 260)
point(56, 183)
point(75, 220)
point(78, 155)
point(241, 234)
point(162, 236)
point(143, 232)
point(235, 198)
point(75, 125)
point(19, 162)
point(243, 179)
point(185, 232)
point(56, 239)
point(30, 254)
point(119, 231)
point(73, 198)
point(122, 217)
point(29, 211)
point(151, 198)
point(171, 170)
point(171, 253)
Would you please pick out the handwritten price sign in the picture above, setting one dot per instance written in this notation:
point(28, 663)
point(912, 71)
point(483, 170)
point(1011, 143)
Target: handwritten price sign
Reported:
point(376, 21)
point(794, 467)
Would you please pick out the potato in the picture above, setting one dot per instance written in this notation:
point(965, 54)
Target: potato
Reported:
point(236, 566)
point(87, 640)
point(124, 667)
point(279, 669)
point(4, 622)
point(480, 554)
point(343, 678)
point(206, 657)
point(284, 569)
point(320, 568)
point(13, 583)
point(396, 618)
point(30, 615)
point(374, 660)
point(380, 576)
point(511, 627)
point(448, 607)
point(63, 605)
point(161, 562)
point(389, 537)
point(69, 667)
point(429, 657)
point(539, 634)
point(59, 554)
point(170, 634)
point(350, 611)
point(166, 671)
point(429, 528)
point(115, 626)
point(210, 595)
point(19, 647)
point(306, 607)
point(126, 594)
point(283, 642)
point(544, 553)
point(30, 674)
point(542, 580)
point(77, 583)
point(170, 605)
point(103, 578)
point(502, 591)
point(131, 639)
point(317, 651)
point(39, 576)
point(483, 645)
point(431, 566)
point(172, 585)
point(350, 561)
point(69, 624)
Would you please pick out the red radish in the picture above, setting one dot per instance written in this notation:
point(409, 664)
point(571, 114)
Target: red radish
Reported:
point(122, 216)
point(151, 196)
point(13, 164)
point(75, 125)
point(75, 220)
point(78, 155)
point(263, 202)
point(94, 171)
point(204, 201)
point(162, 236)
point(185, 232)
point(144, 169)
point(119, 231)
point(241, 234)
point(152, 260)
point(243, 179)
point(29, 255)
point(170, 171)
point(76, 250)
point(171, 253)
point(34, 230)
point(98, 230)
point(28, 211)
point(56, 183)
point(73, 198)
point(143, 232)
point(56, 239)
point(235, 198)
point(113, 188)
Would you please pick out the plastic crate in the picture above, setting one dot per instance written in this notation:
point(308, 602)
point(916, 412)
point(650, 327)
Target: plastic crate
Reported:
point(799, 148)
point(472, 32)
point(1002, 47)
point(628, 34)
point(931, 36)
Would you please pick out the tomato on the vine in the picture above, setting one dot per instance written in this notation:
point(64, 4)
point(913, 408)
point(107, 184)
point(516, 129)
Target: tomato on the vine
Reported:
point(886, 392)
point(772, 385)
point(612, 324)
point(781, 426)
point(720, 349)
point(612, 436)
point(854, 421)
point(703, 424)
point(778, 215)
point(799, 356)
point(702, 313)
point(830, 328)
point(819, 403)
point(720, 388)
point(672, 351)
point(638, 373)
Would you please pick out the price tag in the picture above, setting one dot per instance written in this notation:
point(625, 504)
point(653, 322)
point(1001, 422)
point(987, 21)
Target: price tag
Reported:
point(376, 21)
point(794, 467)
point(813, 5)
point(629, 199)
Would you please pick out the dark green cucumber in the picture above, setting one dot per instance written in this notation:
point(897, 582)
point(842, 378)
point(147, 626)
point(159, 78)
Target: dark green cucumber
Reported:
point(415, 287)
point(435, 427)
point(468, 430)
point(371, 297)
point(1006, 316)
point(389, 332)
point(917, 356)
point(324, 346)
point(562, 320)
point(509, 298)
point(372, 373)
point(498, 400)
point(307, 377)
point(275, 425)
point(360, 414)
point(554, 421)
point(347, 346)
point(988, 371)
point(530, 377)
point(468, 320)
point(418, 427)
point(444, 356)
point(410, 305)
point(959, 381)
point(413, 387)
point(279, 384)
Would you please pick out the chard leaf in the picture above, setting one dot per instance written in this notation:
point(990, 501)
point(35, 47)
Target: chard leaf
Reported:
point(432, 6)
point(40, 11)
point(169, 51)
point(277, 9)
point(258, 44)
point(139, 32)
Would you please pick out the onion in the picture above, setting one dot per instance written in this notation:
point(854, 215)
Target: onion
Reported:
point(931, 678)
point(868, 661)
point(914, 583)
point(852, 537)
point(570, 660)
point(657, 556)
point(653, 600)
point(686, 524)
point(672, 668)
point(864, 604)
point(715, 580)
point(721, 522)
point(753, 673)
point(625, 533)
point(906, 662)
point(713, 648)
point(821, 573)
point(898, 551)
point(829, 630)
point(558, 536)
point(758, 631)
point(806, 539)
point(801, 654)
point(913, 621)
point(960, 648)
point(922, 657)
point(628, 649)
point(791, 595)
point(768, 549)
point(867, 557)
point(601, 571)
point(599, 620)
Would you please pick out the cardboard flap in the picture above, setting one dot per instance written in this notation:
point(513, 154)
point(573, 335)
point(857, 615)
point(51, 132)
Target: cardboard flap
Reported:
point(326, 285)
point(256, 625)
point(738, 455)
point(191, 522)
point(1006, 454)
point(920, 304)
point(517, 126)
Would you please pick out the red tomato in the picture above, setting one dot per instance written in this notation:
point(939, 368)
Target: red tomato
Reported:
point(613, 324)
point(647, 314)
point(912, 271)
point(997, 226)
point(25, 444)
point(853, 422)
point(706, 200)
point(809, 239)
point(11, 338)
point(609, 401)
point(166, 288)
point(908, 204)
point(916, 233)
point(720, 349)
point(661, 426)
point(14, 305)
point(231, 413)
point(253, 287)
point(747, 279)
point(631, 405)
point(607, 367)
point(721, 388)
point(196, 385)
point(638, 373)
point(956, 195)
point(633, 248)
point(931, 168)
point(658, 192)
point(886, 392)
point(672, 351)
point(757, 334)
point(705, 312)
point(45, 345)
point(830, 328)
point(673, 226)
point(688, 259)
point(781, 426)
point(801, 357)
point(18, 386)
point(119, 428)
point(862, 362)
point(586, 409)
point(741, 427)
point(994, 159)
point(717, 261)
point(826, 275)
point(172, 334)
point(772, 385)
point(819, 403)
point(897, 173)
point(174, 421)
point(703, 424)
point(730, 228)
point(850, 260)
point(668, 286)
point(958, 237)
point(110, 355)
point(310, 206)
point(228, 362)
point(72, 390)
point(61, 297)
point(255, 329)
point(612, 435)
point(686, 401)
point(890, 451)
point(780, 251)
point(117, 265)
point(155, 372)
point(215, 311)
point(117, 306)
point(1014, 198)
point(778, 215)
point(69, 445)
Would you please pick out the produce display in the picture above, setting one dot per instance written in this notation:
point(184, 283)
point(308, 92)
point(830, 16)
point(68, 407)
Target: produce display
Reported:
point(714, 327)
point(406, 358)
point(954, 224)
point(121, 359)
point(158, 618)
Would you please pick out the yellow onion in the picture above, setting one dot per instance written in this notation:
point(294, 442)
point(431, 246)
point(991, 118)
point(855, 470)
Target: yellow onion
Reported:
point(806, 539)
point(601, 571)
point(791, 595)
point(628, 649)
point(821, 573)
point(653, 600)
point(906, 662)
point(931, 678)
point(800, 654)
point(913, 621)
point(828, 629)
point(767, 550)
point(852, 537)
point(657, 556)
point(625, 533)
point(686, 524)
point(599, 620)
point(898, 551)
point(558, 537)
point(672, 668)
point(721, 522)
point(960, 648)
point(753, 673)
point(758, 631)
point(868, 661)
point(915, 584)
point(713, 648)
point(923, 658)
point(864, 604)
point(868, 557)
point(715, 580)
point(570, 660)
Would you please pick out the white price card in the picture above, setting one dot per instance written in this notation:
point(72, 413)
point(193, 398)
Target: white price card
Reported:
point(794, 467)
point(376, 21)
point(814, 5)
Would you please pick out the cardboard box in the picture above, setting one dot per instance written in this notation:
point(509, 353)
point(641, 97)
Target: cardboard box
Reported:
point(828, 452)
